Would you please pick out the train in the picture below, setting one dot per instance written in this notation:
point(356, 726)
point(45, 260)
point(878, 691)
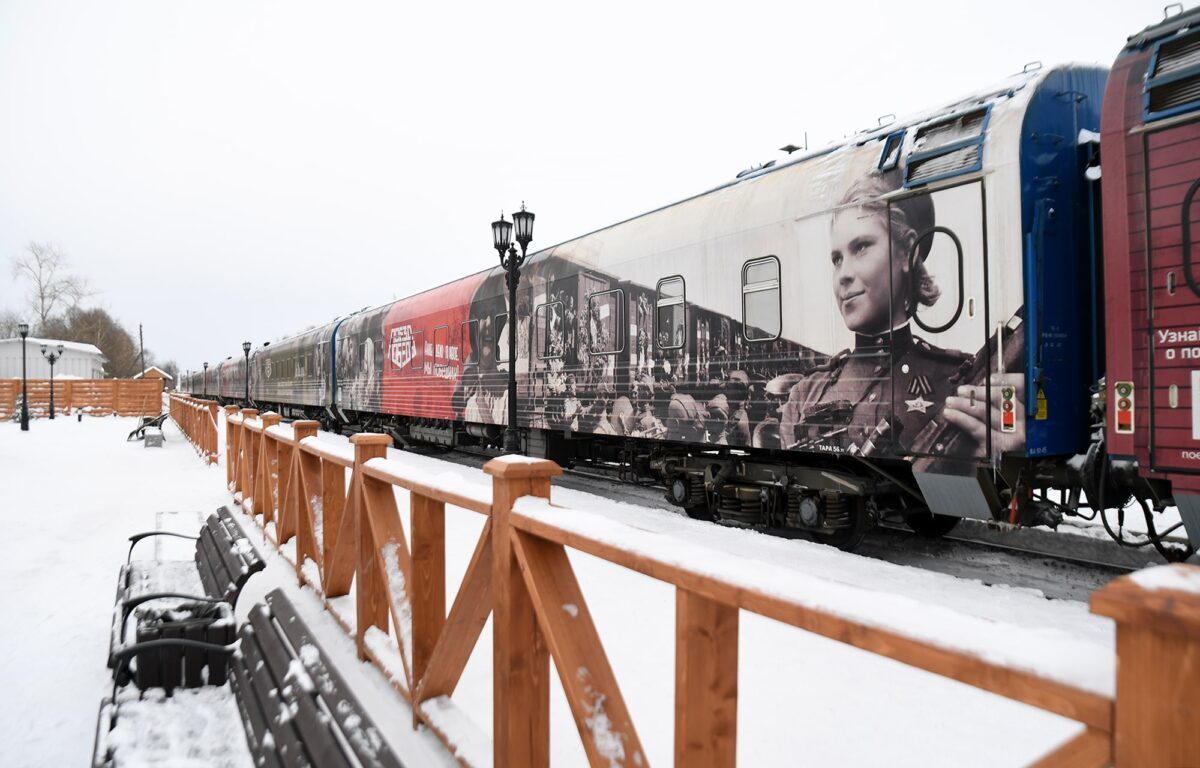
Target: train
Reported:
point(970, 312)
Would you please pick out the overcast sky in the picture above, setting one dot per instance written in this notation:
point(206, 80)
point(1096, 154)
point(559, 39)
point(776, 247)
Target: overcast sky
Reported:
point(224, 171)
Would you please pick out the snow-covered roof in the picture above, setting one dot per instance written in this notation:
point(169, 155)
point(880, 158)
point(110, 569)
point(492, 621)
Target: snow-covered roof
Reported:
point(164, 375)
point(74, 346)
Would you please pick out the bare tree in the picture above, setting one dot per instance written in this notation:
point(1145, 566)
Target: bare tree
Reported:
point(9, 321)
point(52, 287)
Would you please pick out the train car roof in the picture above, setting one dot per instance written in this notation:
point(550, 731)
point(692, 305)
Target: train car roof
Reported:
point(1008, 86)
point(1168, 26)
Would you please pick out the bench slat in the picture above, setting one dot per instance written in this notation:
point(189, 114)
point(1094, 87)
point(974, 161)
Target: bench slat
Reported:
point(211, 580)
point(357, 728)
point(314, 726)
point(253, 717)
point(228, 561)
point(235, 531)
point(265, 689)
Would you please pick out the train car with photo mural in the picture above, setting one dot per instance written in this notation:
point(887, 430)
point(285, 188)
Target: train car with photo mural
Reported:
point(908, 324)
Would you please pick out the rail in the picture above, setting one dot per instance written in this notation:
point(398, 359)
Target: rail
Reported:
point(346, 538)
point(197, 419)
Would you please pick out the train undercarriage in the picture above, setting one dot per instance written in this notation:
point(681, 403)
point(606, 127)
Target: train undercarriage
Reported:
point(833, 499)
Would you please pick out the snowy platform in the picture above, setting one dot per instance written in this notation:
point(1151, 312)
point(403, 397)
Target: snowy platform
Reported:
point(801, 697)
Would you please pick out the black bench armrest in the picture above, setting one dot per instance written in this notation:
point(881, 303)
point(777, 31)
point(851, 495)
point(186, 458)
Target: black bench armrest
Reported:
point(128, 606)
point(135, 538)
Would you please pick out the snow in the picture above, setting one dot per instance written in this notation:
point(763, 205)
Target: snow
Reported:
point(1073, 647)
point(73, 493)
point(195, 727)
point(797, 691)
point(1176, 578)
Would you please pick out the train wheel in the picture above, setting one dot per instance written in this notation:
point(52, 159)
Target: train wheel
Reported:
point(932, 526)
point(851, 536)
point(699, 512)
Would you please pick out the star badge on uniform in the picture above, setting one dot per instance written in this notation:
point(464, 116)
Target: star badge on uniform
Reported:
point(919, 404)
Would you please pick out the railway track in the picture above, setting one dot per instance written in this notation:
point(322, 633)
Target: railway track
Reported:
point(1062, 566)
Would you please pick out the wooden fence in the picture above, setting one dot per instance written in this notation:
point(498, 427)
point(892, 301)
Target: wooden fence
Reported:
point(197, 419)
point(348, 537)
point(98, 397)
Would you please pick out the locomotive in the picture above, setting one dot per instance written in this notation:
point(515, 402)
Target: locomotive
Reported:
point(958, 314)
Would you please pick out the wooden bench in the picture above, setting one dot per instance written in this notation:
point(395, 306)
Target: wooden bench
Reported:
point(296, 707)
point(225, 559)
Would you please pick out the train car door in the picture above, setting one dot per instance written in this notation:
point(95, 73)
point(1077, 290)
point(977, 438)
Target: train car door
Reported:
point(1172, 178)
point(946, 298)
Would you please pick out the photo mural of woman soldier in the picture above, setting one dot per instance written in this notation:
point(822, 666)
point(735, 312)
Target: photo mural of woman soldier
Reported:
point(846, 405)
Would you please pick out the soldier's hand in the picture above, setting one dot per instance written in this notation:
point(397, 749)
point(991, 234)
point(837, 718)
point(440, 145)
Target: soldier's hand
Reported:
point(967, 410)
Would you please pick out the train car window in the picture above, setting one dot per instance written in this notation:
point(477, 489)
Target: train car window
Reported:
point(468, 336)
point(549, 319)
point(948, 147)
point(605, 321)
point(441, 344)
point(762, 311)
point(671, 321)
point(500, 338)
point(890, 157)
point(418, 350)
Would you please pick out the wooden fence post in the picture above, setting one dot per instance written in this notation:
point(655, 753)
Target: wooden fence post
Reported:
point(293, 503)
point(210, 431)
point(520, 658)
point(706, 672)
point(230, 447)
point(246, 444)
point(370, 594)
point(1157, 718)
point(264, 483)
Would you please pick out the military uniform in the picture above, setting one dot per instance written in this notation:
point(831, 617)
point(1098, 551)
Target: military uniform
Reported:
point(846, 405)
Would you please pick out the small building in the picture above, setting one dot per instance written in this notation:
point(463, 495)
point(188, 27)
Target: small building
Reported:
point(154, 372)
point(78, 361)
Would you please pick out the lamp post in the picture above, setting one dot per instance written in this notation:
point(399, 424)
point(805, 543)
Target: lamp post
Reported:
point(53, 357)
point(246, 352)
point(502, 232)
point(204, 381)
point(23, 329)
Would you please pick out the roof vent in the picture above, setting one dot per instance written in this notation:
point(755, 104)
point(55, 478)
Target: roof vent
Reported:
point(947, 148)
point(1174, 82)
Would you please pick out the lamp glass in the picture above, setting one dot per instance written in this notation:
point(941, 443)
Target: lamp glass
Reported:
point(501, 234)
point(245, 346)
point(23, 329)
point(523, 220)
point(60, 350)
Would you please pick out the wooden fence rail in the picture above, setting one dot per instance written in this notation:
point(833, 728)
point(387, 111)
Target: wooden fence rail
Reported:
point(197, 419)
point(347, 538)
point(98, 397)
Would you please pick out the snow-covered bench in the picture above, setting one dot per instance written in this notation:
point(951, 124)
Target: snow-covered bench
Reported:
point(296, 707)
point(225, 559)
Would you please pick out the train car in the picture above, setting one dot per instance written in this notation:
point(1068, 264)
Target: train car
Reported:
point(872, 327)
point(231, 375)
point(1150, 148)
point(910, 323)
point(292, 376)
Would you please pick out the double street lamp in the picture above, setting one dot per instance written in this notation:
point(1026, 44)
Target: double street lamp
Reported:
point(53, 356)
point(502, 233)
point(246, 352)
point(23, 329)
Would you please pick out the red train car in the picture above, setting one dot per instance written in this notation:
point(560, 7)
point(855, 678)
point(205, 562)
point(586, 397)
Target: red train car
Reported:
point(1150, 149)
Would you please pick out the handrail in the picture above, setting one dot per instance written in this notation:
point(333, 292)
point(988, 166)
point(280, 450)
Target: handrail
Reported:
point(341, 536)
point(397, 474)
point(197, 420)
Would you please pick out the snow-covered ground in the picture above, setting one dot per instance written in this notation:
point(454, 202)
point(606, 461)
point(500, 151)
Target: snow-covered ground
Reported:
point(72, 492)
